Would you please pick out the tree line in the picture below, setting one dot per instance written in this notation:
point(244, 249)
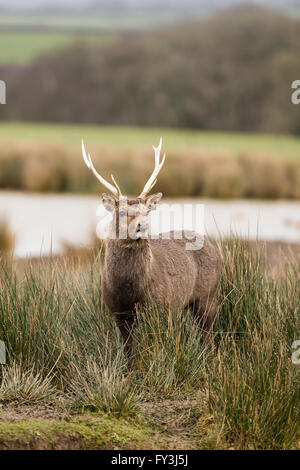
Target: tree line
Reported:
point(232, 71)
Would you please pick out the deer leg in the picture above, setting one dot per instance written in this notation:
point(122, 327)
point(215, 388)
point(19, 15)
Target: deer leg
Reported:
point(125, 320)
point(205, 314)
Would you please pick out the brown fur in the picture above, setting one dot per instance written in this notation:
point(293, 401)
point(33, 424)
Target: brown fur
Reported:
point(159, 269)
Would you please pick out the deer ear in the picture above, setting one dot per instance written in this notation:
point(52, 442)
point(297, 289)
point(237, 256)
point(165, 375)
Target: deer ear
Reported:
point(108, 201)
point(153, 201)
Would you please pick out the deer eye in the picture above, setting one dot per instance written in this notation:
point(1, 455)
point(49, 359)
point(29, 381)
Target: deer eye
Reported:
point(122, 213)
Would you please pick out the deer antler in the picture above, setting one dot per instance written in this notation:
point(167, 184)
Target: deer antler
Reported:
point(88, 161)
point(158, 166)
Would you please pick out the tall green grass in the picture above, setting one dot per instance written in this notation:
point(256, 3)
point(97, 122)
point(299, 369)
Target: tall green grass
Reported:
point(170, 355)
point(57, 329)
point(252, 383)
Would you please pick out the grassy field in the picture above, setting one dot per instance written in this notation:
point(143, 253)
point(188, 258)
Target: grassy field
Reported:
point(232, 144)
point(23, 47)
point(101, 21)
point(67, 383)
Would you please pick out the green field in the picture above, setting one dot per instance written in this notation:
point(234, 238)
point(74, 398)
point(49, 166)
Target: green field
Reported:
point(232, 144)
point(101, 21)
point(23, 47)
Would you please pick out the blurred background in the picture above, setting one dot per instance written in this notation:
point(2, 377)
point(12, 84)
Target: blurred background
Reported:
point(213, 78)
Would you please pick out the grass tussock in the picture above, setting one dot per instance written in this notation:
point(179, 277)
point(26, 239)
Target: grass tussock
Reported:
point(59, 336)
point(25, 387)
point(169, 351)
point(104, 386)
point(195, 173)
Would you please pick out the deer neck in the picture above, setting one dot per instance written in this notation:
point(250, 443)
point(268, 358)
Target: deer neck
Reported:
point(128, 264)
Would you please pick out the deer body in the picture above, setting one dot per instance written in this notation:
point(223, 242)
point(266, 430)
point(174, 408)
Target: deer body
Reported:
point(138, 269)
point(165, 273)
point(162, 270)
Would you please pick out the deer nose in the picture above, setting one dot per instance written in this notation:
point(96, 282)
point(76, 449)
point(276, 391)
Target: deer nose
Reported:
point(142, 226)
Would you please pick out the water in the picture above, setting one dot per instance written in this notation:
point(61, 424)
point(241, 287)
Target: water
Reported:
point(43, 223)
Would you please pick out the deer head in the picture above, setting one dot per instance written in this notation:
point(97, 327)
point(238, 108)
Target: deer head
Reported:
point(130, 216)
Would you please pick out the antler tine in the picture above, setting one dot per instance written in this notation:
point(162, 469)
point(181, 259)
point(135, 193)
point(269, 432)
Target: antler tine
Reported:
point(157, 151)
point(158, 166)
point(88, 161)
point(116, 185)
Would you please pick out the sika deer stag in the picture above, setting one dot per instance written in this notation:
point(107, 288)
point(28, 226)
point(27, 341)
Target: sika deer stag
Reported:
point(137, 267)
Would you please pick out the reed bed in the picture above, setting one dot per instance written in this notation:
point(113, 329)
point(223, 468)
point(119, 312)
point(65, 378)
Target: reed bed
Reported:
point(46, 167)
